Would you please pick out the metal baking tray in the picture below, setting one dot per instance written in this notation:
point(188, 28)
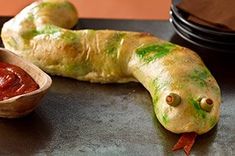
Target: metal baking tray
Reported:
point(80, 118)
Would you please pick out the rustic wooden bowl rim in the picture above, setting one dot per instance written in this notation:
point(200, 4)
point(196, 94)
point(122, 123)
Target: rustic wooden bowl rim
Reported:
point(42, 87)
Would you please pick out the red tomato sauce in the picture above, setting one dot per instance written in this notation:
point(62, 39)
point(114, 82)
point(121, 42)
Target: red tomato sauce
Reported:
point(14, 81)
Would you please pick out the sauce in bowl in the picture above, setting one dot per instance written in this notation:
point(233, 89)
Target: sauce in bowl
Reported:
point(14, 81)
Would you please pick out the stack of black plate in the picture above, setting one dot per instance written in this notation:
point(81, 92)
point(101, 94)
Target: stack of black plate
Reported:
point(200, 35)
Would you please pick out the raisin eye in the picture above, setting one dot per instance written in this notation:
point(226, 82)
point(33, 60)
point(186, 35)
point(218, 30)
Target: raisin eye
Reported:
point(173, 99)
point(206, 104)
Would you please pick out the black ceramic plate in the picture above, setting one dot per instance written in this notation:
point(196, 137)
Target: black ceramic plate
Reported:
point(201, 43)
point(187, 25)
point(195, 34)
point(182, 16)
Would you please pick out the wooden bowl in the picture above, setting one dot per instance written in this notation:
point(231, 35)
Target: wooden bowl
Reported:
point(21, 105)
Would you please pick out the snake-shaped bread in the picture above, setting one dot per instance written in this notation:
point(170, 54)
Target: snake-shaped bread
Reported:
point(186, 97)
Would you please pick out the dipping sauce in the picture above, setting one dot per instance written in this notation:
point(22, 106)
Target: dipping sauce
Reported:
point(14, 81)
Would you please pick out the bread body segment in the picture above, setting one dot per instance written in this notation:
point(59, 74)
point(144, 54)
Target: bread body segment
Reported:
point(40, 34)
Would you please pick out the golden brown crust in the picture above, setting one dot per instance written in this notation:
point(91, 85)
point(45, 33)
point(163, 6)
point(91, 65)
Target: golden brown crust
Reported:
point(119, 56)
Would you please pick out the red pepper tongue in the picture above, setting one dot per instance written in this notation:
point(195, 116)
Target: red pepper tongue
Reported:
point(186, 141)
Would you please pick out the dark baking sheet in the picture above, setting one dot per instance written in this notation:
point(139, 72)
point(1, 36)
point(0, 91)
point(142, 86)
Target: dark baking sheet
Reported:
point(80, 118)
